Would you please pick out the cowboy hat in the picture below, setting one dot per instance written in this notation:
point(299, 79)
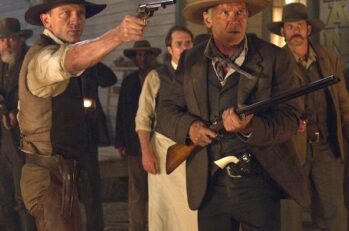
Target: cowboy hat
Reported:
point(32, 15)
point(142, 45)
point(10, 27)
point(295, 12)
point(193, 11)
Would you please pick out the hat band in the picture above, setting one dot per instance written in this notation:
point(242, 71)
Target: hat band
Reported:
point(8, 33)
point(295, 16)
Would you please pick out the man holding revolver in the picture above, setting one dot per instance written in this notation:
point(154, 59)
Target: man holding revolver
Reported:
point(51, 105)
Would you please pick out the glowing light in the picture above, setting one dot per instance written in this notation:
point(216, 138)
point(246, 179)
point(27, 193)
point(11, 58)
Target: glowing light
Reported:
point(88, 103)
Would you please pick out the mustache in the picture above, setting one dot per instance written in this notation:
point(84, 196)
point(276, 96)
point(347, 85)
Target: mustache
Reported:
point(296, 35)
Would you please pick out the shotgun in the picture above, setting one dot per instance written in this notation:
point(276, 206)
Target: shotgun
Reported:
point(178, 153)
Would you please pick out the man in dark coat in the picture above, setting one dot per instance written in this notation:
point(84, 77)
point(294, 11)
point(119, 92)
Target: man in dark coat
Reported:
point(12, 51)
point(126, 139)
point(240, 176)
point(321, 146)
point(97, 76)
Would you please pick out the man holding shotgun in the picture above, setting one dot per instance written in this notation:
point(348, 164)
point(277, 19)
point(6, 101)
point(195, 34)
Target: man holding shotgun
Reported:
point(247, 165)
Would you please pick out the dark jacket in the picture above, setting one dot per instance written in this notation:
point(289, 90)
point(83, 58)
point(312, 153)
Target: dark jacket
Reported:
point(97, 76)
point(9, 90)
point(125, 133)
point(329, 64)
point(187, 101)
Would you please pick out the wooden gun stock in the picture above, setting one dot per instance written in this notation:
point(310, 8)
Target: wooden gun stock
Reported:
point(178, 153)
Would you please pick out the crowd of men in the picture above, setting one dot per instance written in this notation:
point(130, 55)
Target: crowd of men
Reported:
point(52, 122)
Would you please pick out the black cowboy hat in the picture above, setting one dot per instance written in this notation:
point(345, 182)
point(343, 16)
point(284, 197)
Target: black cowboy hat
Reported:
point(10, 27)
point(193, 11)
point(32, 15)
point(295, 12)
point(142, 45)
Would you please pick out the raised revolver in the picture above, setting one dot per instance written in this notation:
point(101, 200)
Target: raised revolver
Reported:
point(146, 10)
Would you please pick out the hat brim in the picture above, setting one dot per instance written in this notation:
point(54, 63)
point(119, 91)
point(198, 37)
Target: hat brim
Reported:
point(193, 12)
point(131, 52)
point(23, 33)
point(316, 26)
point(32, 15)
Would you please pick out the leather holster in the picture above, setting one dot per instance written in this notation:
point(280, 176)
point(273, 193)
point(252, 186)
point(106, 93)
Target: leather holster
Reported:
point(62, 172)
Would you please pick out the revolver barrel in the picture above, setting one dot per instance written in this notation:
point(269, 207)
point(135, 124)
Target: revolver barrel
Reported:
point(146, 10)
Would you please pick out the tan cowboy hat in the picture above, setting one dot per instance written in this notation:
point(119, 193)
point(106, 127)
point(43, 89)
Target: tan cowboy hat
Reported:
point(10, 27)
point(142, 45)
point(295, 12)
point(193, 11)
point(32, 15)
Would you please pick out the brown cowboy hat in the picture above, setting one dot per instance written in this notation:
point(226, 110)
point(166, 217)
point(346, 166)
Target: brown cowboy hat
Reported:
point(10, 27)
point(142, 45)
point(295, 12)
point(193, 11)
point(32, 15)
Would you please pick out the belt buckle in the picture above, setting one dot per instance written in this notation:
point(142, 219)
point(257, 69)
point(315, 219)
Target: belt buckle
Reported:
point(317, 138)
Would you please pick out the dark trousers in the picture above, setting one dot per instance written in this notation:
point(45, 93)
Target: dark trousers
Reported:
point(252, 201)
point(325, 173)
point(90, 190)
point(346, 189)
point(137, 194)
point(13, 211)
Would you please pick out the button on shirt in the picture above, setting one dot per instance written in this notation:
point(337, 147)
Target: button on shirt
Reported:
point(47, 75)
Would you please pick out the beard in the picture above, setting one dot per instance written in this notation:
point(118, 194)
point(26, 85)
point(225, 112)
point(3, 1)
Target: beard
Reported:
point(8, 57)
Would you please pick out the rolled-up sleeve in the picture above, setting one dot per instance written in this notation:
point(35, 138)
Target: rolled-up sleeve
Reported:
point(47, 75)
point(146, 108)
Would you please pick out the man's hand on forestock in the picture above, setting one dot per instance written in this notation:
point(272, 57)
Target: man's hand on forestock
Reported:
point(130, 29)
point(200, 134)
point(233, 123)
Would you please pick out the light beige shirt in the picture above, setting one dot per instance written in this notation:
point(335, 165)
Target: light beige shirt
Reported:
point(309, 60)
point(145, 117)
point(47, 75)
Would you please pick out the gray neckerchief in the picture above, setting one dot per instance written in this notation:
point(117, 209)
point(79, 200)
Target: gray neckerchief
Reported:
point(220, 62)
